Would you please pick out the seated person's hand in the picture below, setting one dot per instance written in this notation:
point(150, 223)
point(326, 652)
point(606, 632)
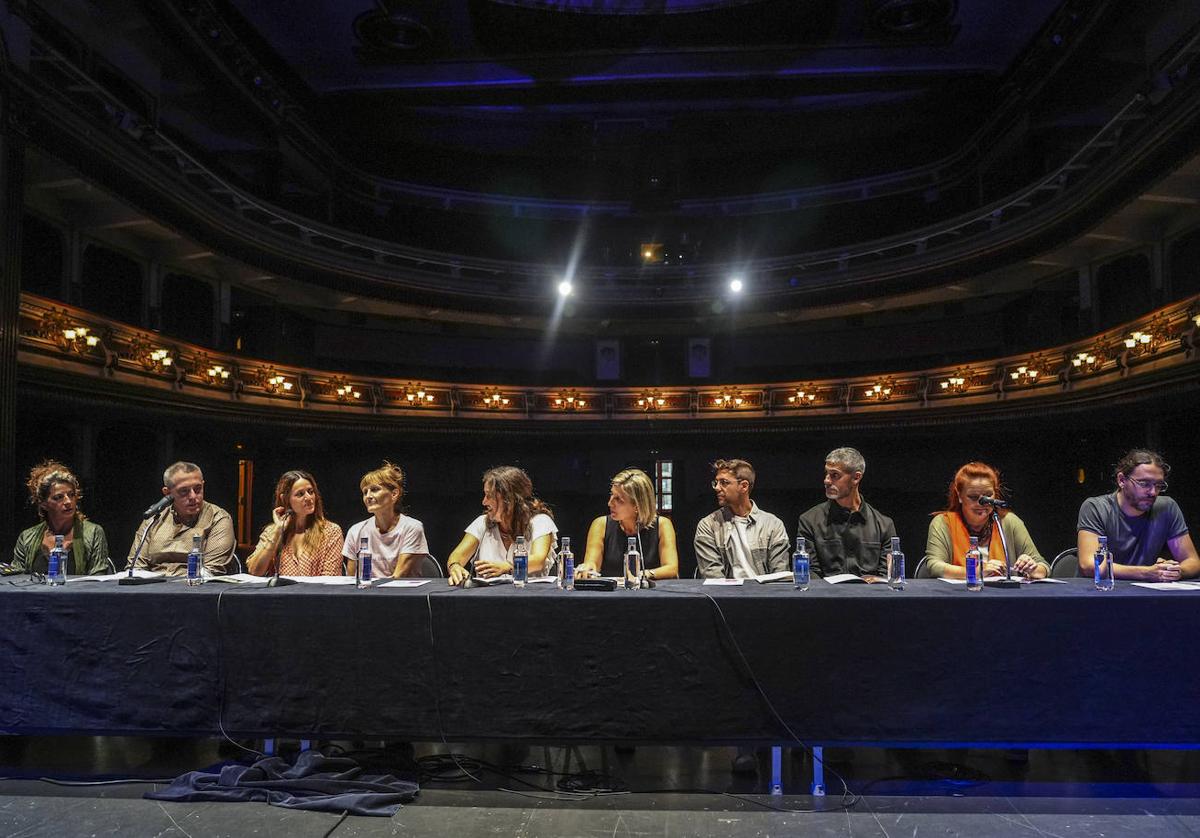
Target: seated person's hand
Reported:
point(488, 569)
point(1026, 565)
point(456, 574)
point(993, 567)
point(585, 572)
point(1163, 570)
point(870, 579)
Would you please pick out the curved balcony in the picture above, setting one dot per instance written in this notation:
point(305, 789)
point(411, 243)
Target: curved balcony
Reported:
point(71, 349)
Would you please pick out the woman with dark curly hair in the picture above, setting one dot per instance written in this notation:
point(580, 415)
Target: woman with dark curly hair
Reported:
point(55, 491)
point(510, 510)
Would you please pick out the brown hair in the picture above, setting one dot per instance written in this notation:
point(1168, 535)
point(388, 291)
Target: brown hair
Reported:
point(42, 478)
point(740, 469)
point(315, 532)
point(389, 476)
point(516, 491)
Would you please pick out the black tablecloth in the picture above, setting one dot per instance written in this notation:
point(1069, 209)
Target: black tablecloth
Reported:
point(851, 663)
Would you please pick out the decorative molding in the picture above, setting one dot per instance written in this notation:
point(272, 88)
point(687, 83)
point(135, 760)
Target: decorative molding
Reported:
point(126, 359)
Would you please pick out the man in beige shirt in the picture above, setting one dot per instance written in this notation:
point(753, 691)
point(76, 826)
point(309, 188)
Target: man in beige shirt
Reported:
point(171, 530)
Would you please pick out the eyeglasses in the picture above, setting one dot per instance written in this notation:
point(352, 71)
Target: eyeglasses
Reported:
point(973, 498)
point(724, 482)
point(1145, 484)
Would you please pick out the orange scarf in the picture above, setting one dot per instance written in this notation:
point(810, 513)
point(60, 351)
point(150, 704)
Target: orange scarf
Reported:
point(960, 541)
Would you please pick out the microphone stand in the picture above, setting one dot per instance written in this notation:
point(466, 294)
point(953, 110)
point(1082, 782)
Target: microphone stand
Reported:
point(129, 578)
point(276, 580)
point(1007, 581)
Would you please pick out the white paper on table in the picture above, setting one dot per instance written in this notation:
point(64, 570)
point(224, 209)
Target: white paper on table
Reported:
point(240, 579)
point(542, 580)
point(323, 580)
point(112, 577)
point(1049, 579)
point(723, 581)
point(405, 583)
point(952, 581)
point(780, 576)
point(839, 578)
point(1168, 586)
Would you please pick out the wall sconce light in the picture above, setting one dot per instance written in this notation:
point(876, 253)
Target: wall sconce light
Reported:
point(958, 383)
point(881, 391)
point(730, 399)
point(495, 400)
point(1088, 361)
point(804, 397)
point(1145, 342)
point(651, 400)
point(569, 400)
point(217, 374)
point(273, 382)
point(153, 359)
point(344, 390)
point(416, 396)
point(1027, 373)
point(77, 338)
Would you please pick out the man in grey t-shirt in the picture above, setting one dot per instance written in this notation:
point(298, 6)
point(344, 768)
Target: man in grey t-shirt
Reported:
point(1139, 521)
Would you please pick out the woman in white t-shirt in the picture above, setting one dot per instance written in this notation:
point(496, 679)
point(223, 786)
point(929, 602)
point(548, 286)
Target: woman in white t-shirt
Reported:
point(396, 541)
point(510, 509)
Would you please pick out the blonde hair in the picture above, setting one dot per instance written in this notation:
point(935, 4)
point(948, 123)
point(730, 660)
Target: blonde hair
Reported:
point(638, 487)
point(389, 476)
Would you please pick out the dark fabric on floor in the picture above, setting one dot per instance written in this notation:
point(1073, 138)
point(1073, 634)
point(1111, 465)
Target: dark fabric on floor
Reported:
point(316, 783)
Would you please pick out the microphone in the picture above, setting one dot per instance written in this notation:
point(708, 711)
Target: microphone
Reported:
point(277, 581)
point(996, 502)
point(162, 504)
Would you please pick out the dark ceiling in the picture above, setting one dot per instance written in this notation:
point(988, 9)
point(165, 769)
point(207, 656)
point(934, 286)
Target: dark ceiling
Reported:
point(645, 101)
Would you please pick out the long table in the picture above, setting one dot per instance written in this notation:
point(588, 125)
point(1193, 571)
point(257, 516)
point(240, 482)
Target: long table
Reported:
point(934, 664)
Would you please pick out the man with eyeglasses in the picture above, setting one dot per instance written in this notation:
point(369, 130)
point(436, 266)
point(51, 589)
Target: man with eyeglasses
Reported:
point(739, 540)
point(1139, 521)
point(848, 534)
point(171, 530)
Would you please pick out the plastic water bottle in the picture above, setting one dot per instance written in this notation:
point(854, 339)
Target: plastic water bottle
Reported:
point(1104, 567)
point(56, 568)
point(566, 565)
point(633, 564)
point(362, 578)
point(974, 563)
point(195, 562)
point(895, 567)
point(520, 562)
point(801, 564)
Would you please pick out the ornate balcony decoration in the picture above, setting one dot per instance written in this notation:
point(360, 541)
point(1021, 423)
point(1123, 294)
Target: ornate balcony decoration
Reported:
point(881, 391)
point(493, 399)
point(651, 400)
point(275, 383)
point(958, 383)
point(133, 358)
point(415, 395)
point(1029, 373)
point(344, 390)
point(1148, 340)
point(730, 399)
point(1089, 360)
point(217, 375)
point(152, 358)
point(568, 400)
point(805, 396)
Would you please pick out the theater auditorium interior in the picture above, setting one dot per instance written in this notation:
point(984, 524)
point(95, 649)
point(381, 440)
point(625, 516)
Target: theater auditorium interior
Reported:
point(579, 237)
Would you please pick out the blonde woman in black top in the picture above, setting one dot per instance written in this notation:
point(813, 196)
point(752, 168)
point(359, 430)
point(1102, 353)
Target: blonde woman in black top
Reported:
point(632, 513)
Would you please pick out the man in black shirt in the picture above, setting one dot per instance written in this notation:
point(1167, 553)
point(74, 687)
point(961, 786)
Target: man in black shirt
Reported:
point(847, 533)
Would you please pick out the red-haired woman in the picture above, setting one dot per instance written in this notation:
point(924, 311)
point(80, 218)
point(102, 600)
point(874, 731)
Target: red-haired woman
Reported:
point(950, 531)
point(305, 542)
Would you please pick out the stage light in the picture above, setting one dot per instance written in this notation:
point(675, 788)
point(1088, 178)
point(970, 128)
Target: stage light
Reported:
point(735, 285)
point(565, 288)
